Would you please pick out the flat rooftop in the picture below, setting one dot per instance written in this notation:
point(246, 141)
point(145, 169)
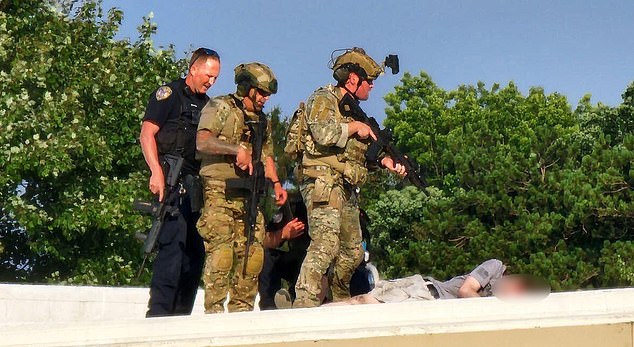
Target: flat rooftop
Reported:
point(102, 316)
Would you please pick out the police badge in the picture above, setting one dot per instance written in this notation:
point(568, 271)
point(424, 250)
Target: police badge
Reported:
point(163, 93)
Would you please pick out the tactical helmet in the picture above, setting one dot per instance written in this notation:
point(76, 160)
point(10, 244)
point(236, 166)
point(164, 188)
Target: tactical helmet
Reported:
point(255, 75)
point(355, 60)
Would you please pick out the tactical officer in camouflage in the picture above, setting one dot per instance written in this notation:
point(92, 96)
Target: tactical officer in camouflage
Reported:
point(169, 128)
point(224, 142)
point(333, 167)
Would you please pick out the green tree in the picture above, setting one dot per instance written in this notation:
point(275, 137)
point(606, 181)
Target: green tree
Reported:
point(72, 99)
point(284, 163)
point(520, 178)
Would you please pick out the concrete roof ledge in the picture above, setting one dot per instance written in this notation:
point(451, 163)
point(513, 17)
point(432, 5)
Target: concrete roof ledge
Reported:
point(583, 318)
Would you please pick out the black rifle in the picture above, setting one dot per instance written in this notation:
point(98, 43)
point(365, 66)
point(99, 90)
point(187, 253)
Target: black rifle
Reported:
point(161, 210)
point(349, 107)
point(255, 183)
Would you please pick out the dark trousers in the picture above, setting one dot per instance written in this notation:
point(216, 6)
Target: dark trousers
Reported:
point(178, 265)
point(278, 265)
point(360, 282)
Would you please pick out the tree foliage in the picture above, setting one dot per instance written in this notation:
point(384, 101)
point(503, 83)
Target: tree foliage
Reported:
point(521, 178)
point(285, 164)
point(72, 97)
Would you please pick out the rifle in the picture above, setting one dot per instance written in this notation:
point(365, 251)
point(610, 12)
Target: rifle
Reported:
point(349, 107)
point(161, 210)
point(255, 184)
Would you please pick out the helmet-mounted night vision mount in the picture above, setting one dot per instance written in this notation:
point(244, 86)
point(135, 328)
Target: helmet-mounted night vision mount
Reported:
point(391, 61)
point(355, 60)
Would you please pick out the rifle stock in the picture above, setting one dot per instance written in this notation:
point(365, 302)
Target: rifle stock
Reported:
point(349, 107)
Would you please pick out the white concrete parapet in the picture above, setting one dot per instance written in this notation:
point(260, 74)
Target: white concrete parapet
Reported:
point(585, 318)
point(21, 303)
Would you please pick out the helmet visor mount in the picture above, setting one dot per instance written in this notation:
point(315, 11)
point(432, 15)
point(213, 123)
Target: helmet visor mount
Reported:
point(270, 88)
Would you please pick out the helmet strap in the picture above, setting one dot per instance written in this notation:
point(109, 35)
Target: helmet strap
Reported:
point(354, 94)
point(253, 97)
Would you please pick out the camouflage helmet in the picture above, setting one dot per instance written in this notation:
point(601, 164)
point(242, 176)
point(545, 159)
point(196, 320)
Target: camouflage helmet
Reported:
point(357, 61)
point(255, 75)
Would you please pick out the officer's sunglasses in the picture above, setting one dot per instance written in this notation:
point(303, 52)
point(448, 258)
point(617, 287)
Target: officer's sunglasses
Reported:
point(203, 52)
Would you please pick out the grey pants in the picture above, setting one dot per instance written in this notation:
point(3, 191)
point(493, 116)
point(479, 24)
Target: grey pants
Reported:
point(402, 289)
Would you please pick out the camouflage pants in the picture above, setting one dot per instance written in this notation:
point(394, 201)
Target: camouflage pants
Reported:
point(221, 226)
point(336, 239)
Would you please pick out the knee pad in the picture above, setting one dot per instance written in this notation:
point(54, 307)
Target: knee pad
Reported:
point(222, 259)
point(256, 260)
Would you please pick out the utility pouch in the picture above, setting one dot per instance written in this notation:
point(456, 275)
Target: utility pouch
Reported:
point(323, 188)
point(354, 173)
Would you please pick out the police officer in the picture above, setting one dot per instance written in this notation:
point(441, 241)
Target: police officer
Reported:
point(169, 127)
point(224, 143)
point(333, 167)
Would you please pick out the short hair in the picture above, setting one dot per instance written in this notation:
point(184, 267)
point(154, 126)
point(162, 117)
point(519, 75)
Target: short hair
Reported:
point(203, 52)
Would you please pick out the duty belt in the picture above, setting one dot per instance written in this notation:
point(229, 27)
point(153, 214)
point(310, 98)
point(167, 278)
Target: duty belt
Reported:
point(315, 171)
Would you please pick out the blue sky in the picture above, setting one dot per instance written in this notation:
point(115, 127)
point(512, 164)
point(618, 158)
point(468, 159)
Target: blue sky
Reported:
point(570, 47)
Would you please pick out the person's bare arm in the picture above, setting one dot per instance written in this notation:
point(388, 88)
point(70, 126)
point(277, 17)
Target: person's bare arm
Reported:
point(150, 153)
point(291, 230)
point(270, 172)
point(355, 300)
point(208, 143)
point(469, 288)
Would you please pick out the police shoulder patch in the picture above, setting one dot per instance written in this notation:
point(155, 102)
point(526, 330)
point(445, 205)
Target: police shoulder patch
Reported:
point(163, 93)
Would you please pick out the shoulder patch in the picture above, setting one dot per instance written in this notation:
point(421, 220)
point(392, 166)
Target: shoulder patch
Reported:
point(163, 93)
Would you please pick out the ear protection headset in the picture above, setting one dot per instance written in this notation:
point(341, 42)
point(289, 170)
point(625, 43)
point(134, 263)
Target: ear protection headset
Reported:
point(342, 72)
point(244, 80)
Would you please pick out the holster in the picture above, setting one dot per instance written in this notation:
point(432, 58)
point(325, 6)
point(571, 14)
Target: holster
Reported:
point(194, 187)
point(323, 187)
point(325, 179)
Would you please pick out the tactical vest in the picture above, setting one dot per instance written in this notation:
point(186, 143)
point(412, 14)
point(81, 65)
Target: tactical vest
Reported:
point(296, 133)
point(178, 135)
point(348, 161)
point(234, 131)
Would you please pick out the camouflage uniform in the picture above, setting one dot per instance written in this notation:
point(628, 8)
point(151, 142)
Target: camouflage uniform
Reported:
point(333, 165)
point(221, 224)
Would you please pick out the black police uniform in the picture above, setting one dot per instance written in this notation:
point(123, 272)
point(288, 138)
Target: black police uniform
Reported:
point(178, 265)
